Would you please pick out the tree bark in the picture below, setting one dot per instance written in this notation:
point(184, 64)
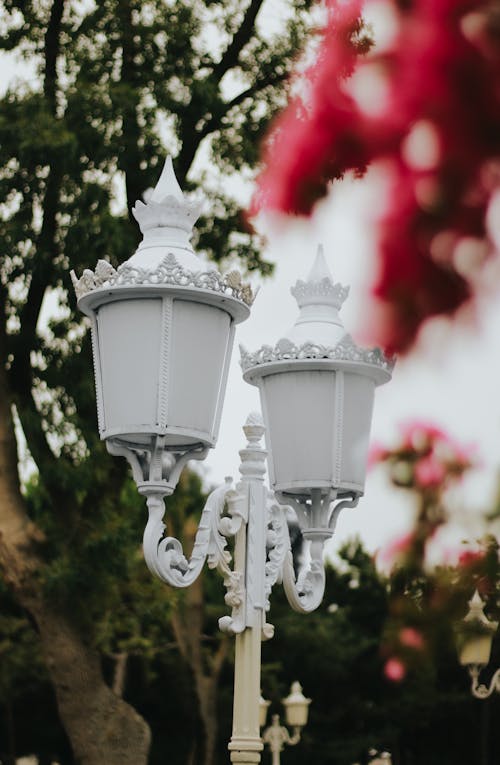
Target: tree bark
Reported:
point(101, 727)
point(187, 623)
point(120, 673)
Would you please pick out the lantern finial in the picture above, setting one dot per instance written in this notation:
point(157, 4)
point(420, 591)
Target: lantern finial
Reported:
point(476, 614)
point(168, 184)
point(319, 300)
point(320, 268)
point(319, 288)
point(167, 208)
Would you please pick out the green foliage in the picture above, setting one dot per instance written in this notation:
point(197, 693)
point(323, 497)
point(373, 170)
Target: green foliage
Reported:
point(339, 652)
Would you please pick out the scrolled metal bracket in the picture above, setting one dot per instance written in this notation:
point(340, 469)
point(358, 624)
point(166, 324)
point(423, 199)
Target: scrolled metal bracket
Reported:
point(479, 690)
point(317, 519)
point(165, 556)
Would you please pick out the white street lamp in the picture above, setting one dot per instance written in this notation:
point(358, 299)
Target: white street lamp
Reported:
point(296, 712)
point(162, 329)
point(162, 335)
point(475, 640)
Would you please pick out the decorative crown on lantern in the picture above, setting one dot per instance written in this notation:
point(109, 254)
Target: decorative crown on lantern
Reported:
point(167, 207)
point(319, 287)
point(318, 332)
point(165, 256)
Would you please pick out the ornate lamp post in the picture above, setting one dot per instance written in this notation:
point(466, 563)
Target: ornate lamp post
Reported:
point(475, 639)
point(162, 329)
point(276, 736)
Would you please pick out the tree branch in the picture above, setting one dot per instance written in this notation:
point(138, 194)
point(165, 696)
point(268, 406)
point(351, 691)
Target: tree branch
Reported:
point(52, 48)
point(130, 159)
point(21, 373)
point(215, 122)
point(193, 138)
point(120, 673)
point(240, 39)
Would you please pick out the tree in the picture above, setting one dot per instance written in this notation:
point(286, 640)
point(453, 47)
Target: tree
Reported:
point(116, 84)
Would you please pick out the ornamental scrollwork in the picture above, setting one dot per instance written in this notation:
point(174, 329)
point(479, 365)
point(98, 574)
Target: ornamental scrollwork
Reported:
point(325, 288)
point(168, 272)
point(345, 350)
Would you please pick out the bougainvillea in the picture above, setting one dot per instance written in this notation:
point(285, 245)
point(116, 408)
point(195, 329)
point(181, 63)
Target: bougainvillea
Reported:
point(425, 599)
point(436, 128)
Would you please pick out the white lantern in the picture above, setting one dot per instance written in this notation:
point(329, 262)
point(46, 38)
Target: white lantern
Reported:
point(296, 706)
point(476, 636)
point(317, 388)
point(162, 332)
point(264, 705)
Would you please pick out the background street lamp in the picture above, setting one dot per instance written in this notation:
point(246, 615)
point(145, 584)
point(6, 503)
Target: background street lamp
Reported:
point(379, 758)
point(475, 639)
point(162, 330)
point(276, 736)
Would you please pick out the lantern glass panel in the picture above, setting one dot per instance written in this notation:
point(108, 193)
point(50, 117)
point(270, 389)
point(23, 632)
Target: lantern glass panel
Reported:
point(297, 714)
point(199, 358)
point(129, 342)
point(476, 650)
point(299, 408)
point(357, 414)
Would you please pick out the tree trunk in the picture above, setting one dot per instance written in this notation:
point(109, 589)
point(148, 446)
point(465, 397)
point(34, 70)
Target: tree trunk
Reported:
point(120, 673)
point(102, 728)
point(188, 628)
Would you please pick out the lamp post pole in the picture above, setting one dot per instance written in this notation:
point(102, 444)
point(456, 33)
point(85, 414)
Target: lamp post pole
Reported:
point(249, 561)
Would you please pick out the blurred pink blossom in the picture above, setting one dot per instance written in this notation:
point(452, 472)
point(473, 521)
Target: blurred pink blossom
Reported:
point(395, 670)
point(429, 472)
point(411, 638)
point(469, 557)
point(395, 549)
point(419, 434)
point(377, 453)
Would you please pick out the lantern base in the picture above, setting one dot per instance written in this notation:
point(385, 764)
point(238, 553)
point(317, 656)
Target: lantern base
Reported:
point(316, 513)
point(156, 466)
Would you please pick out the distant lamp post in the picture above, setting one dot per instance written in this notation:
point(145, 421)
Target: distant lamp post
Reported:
point(162, 332)
point(379, 758)
point(276, 736)
point(475, 637)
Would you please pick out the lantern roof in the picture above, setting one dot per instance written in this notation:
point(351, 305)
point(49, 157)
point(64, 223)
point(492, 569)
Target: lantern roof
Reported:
point(165, 258)
point(318, 334)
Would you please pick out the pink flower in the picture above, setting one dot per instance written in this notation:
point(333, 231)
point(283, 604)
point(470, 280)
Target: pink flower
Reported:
point(419, 434)
point(470, 557)
point(395, 670)
point(411, 638)
point(429, 473)
point(395, 549)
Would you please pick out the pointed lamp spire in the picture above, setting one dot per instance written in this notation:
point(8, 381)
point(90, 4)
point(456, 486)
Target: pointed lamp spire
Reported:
point(168, 185)
point(319, 300)
point(320, 270)
point(166, 221)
